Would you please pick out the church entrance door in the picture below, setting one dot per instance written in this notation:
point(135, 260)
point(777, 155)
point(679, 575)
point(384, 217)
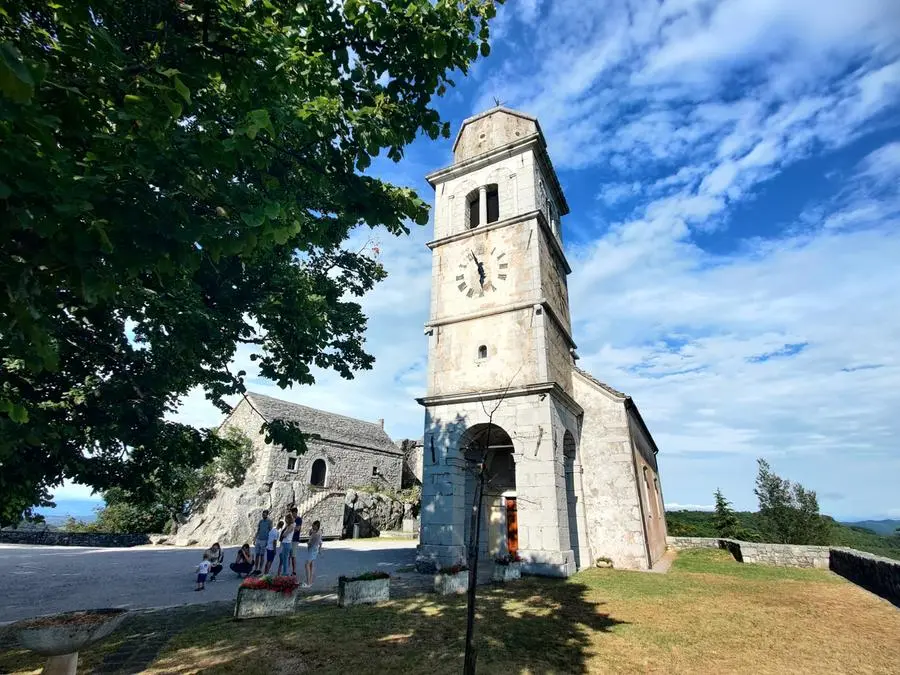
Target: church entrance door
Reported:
point(512, 526)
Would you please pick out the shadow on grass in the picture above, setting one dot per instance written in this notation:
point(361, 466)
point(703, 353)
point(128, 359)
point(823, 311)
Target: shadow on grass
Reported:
point(538, 625)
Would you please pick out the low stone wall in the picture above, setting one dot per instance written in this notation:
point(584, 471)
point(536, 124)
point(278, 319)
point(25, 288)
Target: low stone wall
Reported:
point(784, 555)
point(60, 538)
point(682, 543)
point(874, 573)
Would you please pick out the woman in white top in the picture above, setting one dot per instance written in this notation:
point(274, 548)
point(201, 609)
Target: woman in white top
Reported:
point(314, 545)
point(284, 559)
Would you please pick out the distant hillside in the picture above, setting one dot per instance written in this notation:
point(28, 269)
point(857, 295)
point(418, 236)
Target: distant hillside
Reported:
point(700, 524)
point(883, 527)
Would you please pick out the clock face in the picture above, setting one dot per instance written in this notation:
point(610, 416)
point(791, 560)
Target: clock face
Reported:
point(480, 271)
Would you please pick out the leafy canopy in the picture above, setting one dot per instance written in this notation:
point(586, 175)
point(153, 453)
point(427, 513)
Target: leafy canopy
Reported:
point(176, 179)
point(789, 513)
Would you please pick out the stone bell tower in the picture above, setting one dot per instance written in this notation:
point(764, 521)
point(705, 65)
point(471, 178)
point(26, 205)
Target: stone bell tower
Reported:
point(500, 350)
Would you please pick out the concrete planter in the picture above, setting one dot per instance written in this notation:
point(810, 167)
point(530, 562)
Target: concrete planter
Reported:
point(61, 637)
point(363, 592)
point(448, 584)
point(253, 603)
point(504, 573)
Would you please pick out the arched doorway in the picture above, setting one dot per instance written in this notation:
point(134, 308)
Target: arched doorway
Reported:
point(488, 448)
point(318, 473)
point(569, 452)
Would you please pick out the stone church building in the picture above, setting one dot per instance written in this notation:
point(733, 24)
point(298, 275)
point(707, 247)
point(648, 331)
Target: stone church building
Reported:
point(347, 453)
point(571, 466)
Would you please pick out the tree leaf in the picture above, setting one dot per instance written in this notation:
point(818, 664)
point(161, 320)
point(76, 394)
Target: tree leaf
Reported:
point(15, 80)
point(182, 90)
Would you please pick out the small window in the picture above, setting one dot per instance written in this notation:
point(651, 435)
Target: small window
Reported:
point(374, 470)
point(482, 352)
point(473, 203)
point(292, 463)
point(493, 204)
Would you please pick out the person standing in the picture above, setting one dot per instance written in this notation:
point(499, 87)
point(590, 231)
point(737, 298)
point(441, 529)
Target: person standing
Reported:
point(262, 536)
point(286, 536)
point(271, 544)
point(295, 542)
point(314, 546)
point(202, 571)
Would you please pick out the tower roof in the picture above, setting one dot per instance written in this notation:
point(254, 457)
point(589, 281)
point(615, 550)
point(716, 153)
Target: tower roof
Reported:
point(497, 126)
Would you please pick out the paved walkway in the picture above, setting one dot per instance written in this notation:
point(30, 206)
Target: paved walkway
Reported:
point(36, 580)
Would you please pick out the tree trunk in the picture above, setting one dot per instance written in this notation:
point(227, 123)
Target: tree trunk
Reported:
point(475, 538)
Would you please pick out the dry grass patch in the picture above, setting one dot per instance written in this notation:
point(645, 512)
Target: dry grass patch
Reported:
point(708, 613)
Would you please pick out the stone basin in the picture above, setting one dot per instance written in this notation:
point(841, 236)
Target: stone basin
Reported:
point(67, 633)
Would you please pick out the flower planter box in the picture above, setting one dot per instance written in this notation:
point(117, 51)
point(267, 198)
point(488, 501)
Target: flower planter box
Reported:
point(448, 584)
point(363, 592)
point(510, 572)
point(254, 603)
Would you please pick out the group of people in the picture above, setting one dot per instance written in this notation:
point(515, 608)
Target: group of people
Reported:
point(283, 537)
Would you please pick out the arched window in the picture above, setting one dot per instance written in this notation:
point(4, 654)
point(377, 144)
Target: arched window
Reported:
point(493, 204)
point(473, 209)
point(318, 473)
point(482, 352)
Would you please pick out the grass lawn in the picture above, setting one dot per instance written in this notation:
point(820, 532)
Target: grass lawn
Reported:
point(708, 614)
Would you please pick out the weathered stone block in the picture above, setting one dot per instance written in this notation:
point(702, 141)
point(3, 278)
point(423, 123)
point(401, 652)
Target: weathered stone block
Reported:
point(363, 592)
point(504, 573)
point(449, 584)
point(254, 603)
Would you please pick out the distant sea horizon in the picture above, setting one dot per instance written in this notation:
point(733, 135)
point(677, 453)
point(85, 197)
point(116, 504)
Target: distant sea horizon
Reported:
point(79, 509)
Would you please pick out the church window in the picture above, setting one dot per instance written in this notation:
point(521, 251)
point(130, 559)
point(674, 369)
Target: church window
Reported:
point(482, 352)
point(318, 473)
point(474, 209)
point(292, 463)
point(493, 204)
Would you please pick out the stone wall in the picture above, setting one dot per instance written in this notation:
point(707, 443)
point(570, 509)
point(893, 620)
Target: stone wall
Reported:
point(611, 498)
point(682, 543)
point(59, 538)
point(783, 555)
point(874, 573)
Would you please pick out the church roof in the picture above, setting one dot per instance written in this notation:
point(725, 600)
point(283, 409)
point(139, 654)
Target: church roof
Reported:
point(330, 426)
point(615, 392)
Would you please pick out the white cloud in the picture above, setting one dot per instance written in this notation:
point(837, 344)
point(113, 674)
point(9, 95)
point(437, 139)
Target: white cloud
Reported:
point(689, 507)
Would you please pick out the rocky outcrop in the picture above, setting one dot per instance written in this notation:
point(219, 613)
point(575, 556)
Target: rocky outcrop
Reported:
point(373, 513)
point(231, 515)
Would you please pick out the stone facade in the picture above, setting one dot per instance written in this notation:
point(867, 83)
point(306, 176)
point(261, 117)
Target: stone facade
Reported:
point(576, 463)
point(345, 453)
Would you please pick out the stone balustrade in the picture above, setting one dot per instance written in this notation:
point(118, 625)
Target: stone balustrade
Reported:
point(874, 573)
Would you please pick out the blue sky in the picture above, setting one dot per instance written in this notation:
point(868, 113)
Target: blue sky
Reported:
point(732, 169)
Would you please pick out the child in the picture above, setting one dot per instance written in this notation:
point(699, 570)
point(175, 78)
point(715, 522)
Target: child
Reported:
point(270, 544)
point(314, 545)
point(202, 571)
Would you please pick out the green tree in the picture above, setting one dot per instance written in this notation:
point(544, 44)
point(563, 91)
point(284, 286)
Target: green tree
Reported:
point(789, 513)
point(725, 521)
point(176, 179)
